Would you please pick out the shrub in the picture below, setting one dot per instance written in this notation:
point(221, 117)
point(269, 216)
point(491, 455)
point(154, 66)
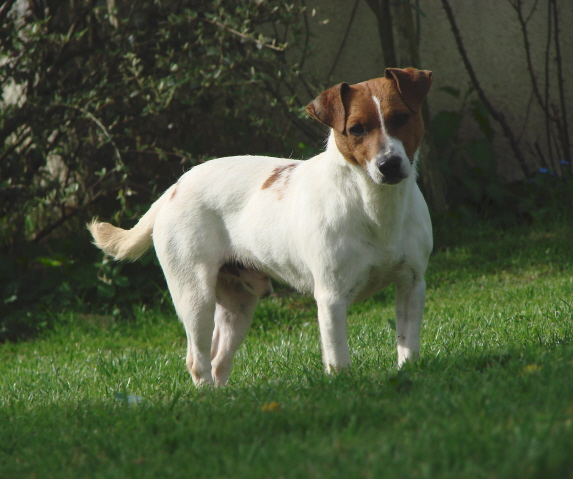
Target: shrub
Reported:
point(105, 107)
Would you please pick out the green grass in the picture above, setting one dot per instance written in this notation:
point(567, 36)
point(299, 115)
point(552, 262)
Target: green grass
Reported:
point(491, 397)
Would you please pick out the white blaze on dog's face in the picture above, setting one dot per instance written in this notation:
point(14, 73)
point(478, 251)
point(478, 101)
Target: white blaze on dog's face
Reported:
point(378, 123)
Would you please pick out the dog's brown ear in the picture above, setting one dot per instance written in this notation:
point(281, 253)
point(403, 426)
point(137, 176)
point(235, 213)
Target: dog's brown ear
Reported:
point(412, 84)
point(328, 107)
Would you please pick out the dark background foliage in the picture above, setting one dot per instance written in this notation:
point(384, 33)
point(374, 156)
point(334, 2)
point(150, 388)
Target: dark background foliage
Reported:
point(109, 106)
point(113, 106)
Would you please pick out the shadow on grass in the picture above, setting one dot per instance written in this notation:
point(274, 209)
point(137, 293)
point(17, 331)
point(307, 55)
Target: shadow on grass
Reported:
point(475, 415)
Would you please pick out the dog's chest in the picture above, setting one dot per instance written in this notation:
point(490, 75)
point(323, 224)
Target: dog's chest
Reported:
point(379, 277)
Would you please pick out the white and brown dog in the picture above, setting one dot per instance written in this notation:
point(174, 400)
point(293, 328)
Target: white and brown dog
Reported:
point(342, 226)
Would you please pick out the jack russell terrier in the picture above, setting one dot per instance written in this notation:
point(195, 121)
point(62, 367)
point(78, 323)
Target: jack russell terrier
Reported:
point(341, 226)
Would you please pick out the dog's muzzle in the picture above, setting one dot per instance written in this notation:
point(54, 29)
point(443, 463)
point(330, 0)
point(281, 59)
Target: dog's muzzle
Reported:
point(391, 169)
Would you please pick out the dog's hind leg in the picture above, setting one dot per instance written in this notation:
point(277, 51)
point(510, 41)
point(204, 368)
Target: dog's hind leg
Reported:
point(196, 312)
point(188, 247)
point(194, 300)
point(233, 317)
point(238, 292)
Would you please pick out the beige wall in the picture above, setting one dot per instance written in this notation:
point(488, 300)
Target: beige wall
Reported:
point(493, 41)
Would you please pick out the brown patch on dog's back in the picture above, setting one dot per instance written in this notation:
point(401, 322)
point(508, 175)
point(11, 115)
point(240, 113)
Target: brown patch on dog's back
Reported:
point(280, 172)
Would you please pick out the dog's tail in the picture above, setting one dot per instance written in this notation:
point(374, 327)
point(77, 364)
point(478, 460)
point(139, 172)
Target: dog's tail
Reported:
point(127, 244)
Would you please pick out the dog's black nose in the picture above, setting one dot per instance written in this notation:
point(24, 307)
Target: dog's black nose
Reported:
point(391, 168)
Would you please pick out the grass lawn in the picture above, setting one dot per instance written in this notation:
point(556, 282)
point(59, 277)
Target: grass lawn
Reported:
point(491, 397)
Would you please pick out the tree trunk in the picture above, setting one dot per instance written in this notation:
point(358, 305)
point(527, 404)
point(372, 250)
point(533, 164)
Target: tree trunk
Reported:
point(405, 52)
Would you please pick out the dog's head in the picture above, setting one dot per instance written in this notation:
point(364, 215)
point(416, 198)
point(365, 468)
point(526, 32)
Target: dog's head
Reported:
point(377, 124)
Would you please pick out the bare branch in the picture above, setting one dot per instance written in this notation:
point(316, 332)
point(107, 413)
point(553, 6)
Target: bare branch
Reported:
point(343, 43)
point(495, 114)
point(306, 37)
point(517, 6)
point(5, 8)
point(243, 35)
point(381, 9)
point(563, 126)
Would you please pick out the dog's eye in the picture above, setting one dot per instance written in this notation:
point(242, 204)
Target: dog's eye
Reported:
point(357, 130)
point(400, 119)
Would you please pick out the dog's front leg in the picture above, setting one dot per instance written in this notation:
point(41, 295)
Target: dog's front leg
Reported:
point(332, 324)
point(410, 300)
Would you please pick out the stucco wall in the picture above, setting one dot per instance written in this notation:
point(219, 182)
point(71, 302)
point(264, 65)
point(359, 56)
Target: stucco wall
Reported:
point(493, 41)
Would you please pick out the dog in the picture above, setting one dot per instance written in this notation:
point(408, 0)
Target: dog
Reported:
point(342, 226)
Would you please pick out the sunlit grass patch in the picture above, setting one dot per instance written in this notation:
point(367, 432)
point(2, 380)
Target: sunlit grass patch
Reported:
point(490, 397)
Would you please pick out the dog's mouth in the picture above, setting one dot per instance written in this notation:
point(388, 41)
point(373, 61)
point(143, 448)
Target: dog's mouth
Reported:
point(388, 179)
point(392, 181)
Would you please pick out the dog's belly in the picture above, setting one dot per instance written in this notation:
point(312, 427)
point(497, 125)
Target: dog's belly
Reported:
point(252, 280)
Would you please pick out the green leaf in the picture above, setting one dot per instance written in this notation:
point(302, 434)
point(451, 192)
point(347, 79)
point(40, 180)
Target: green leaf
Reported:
point(445, 127)
point(455, 92)
point(483, 156)
point(106, 290)
point(481, 117)
point(121, 281)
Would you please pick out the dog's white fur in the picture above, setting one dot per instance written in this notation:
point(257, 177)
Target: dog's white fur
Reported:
point(326, 226)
